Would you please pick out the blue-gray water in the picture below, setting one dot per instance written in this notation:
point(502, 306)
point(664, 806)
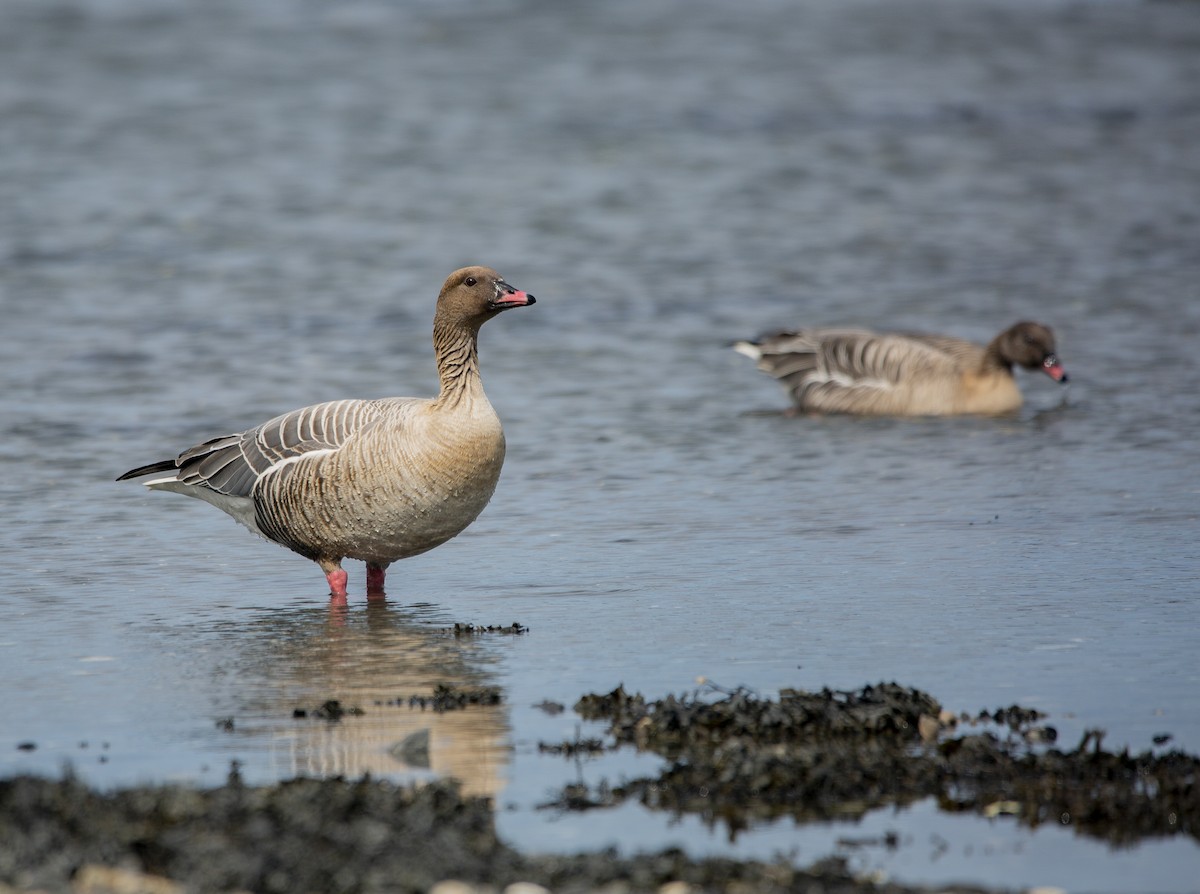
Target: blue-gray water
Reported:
point(214, 212)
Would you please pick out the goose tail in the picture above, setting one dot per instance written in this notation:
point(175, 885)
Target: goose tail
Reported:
point(166, 465)
point(751, 349)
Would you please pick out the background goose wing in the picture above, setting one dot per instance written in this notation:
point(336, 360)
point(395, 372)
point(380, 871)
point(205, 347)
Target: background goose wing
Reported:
point(843, 369)
point(232, 464)
point(964, 354)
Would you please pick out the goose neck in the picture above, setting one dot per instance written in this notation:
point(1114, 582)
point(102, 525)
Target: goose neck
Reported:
point(457, 351)
point(994, 359)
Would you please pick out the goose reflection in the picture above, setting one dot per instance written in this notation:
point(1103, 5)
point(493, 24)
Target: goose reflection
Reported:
point(371, 661)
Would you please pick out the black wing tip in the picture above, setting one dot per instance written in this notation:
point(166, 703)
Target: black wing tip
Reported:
point(166, 465)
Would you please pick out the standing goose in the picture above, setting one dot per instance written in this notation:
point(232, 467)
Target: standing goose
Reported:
point(900, 374)
point(376, 480)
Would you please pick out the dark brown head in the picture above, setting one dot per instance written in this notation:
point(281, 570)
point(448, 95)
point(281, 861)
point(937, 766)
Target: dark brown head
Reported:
point(1030, 345)
point(473, 295)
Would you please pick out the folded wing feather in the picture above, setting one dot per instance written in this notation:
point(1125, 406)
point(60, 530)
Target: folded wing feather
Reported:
point(843, 368)
point(232, 464)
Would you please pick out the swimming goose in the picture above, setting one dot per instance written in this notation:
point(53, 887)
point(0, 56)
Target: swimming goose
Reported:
point(376, 480)
point(900, 374)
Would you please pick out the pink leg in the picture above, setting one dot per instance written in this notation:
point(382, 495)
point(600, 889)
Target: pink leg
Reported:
point(337, 585)
point(375, 576)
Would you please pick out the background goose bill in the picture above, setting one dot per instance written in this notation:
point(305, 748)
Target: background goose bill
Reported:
point(1053, 367)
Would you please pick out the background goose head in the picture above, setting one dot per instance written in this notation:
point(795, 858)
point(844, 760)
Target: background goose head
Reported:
point(1030, 345)
point(473, 295)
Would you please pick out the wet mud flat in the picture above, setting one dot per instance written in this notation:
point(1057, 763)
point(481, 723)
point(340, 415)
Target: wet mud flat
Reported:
point(327, 836)
point(731, 756)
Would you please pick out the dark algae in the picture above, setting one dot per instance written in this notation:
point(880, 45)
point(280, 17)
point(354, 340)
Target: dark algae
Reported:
point(446, 697)
point(738, 759)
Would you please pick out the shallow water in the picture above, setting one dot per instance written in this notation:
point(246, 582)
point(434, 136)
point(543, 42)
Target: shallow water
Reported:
point(213, 213)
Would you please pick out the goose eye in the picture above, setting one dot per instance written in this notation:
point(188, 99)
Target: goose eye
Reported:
point(470, 280)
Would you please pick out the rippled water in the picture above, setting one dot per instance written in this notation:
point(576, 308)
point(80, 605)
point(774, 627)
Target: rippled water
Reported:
point(215, 212)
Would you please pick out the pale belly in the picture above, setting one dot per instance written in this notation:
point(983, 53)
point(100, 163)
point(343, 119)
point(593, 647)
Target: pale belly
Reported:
point(347, 505)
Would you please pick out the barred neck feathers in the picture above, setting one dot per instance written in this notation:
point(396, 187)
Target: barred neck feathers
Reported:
point(457, 350)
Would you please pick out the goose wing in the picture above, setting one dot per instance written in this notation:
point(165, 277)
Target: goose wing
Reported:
point(964, 354)
point(851, 370)
point(232, 464)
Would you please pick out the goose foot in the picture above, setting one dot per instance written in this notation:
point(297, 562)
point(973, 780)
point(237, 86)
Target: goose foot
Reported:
point(337, 585)
point(375, 576)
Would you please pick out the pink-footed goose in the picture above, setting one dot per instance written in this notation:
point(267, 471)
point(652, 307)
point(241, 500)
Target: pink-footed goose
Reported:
point(901, 374)
point(376, 480)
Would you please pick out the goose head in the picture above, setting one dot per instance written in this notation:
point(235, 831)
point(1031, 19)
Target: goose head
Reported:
point(1031, 345)
point(473, 295)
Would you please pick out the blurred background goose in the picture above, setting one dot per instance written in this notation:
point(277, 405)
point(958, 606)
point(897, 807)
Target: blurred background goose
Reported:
point(901, 374)
point(376, 480)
